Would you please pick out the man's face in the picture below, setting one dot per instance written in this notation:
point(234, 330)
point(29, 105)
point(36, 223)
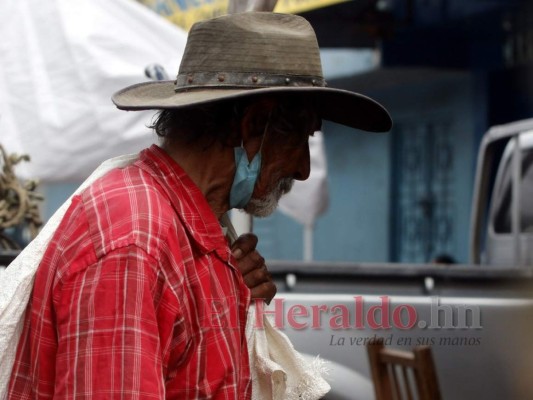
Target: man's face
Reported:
point(285, 157)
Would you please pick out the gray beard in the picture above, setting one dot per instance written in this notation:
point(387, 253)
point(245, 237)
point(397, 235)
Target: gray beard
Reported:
point(266, 206)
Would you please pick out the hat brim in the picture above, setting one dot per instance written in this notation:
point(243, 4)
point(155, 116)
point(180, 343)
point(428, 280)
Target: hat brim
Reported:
point(336, 105)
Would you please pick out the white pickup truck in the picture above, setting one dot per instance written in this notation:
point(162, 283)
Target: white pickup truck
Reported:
point(477, 317)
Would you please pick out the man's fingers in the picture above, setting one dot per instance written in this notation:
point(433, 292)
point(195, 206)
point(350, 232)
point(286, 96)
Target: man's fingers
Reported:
point(243, 245)
point(257, 276)
point(251, 262)
point(253, 268)
point(265, 291)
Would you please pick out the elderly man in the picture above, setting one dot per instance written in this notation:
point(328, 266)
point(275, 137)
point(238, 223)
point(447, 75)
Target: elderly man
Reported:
point(139, 294)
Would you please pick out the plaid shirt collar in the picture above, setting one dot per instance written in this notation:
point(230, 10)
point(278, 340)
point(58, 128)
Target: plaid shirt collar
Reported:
point(187, 200)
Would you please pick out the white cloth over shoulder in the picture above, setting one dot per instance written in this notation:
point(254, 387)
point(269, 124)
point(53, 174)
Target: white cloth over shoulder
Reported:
point(278, 371)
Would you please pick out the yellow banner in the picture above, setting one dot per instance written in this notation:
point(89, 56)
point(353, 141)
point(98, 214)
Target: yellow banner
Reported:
point(185, 13)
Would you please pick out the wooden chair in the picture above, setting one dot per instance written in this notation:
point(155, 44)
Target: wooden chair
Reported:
point(399, 374)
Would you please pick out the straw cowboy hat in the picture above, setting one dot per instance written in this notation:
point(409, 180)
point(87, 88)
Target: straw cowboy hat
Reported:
point(253, 54)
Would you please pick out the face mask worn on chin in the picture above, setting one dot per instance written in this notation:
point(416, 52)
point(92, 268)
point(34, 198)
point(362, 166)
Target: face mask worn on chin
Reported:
point(246, 174)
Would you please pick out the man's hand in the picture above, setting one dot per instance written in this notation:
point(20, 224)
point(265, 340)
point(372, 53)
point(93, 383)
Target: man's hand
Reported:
point(253, 268)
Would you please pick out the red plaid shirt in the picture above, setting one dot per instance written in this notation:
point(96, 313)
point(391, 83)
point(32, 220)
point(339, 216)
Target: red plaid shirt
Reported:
point(136, 296)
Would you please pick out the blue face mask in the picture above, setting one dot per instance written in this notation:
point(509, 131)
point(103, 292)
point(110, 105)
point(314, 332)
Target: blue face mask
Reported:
point(246, 174)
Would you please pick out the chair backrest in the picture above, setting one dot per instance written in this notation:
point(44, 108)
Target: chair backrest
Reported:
point(399, 374)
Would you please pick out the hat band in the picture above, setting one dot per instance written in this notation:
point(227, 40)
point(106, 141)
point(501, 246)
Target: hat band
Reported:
point(186, 81)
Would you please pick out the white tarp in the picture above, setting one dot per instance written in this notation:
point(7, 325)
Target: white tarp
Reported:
point(60, 62)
